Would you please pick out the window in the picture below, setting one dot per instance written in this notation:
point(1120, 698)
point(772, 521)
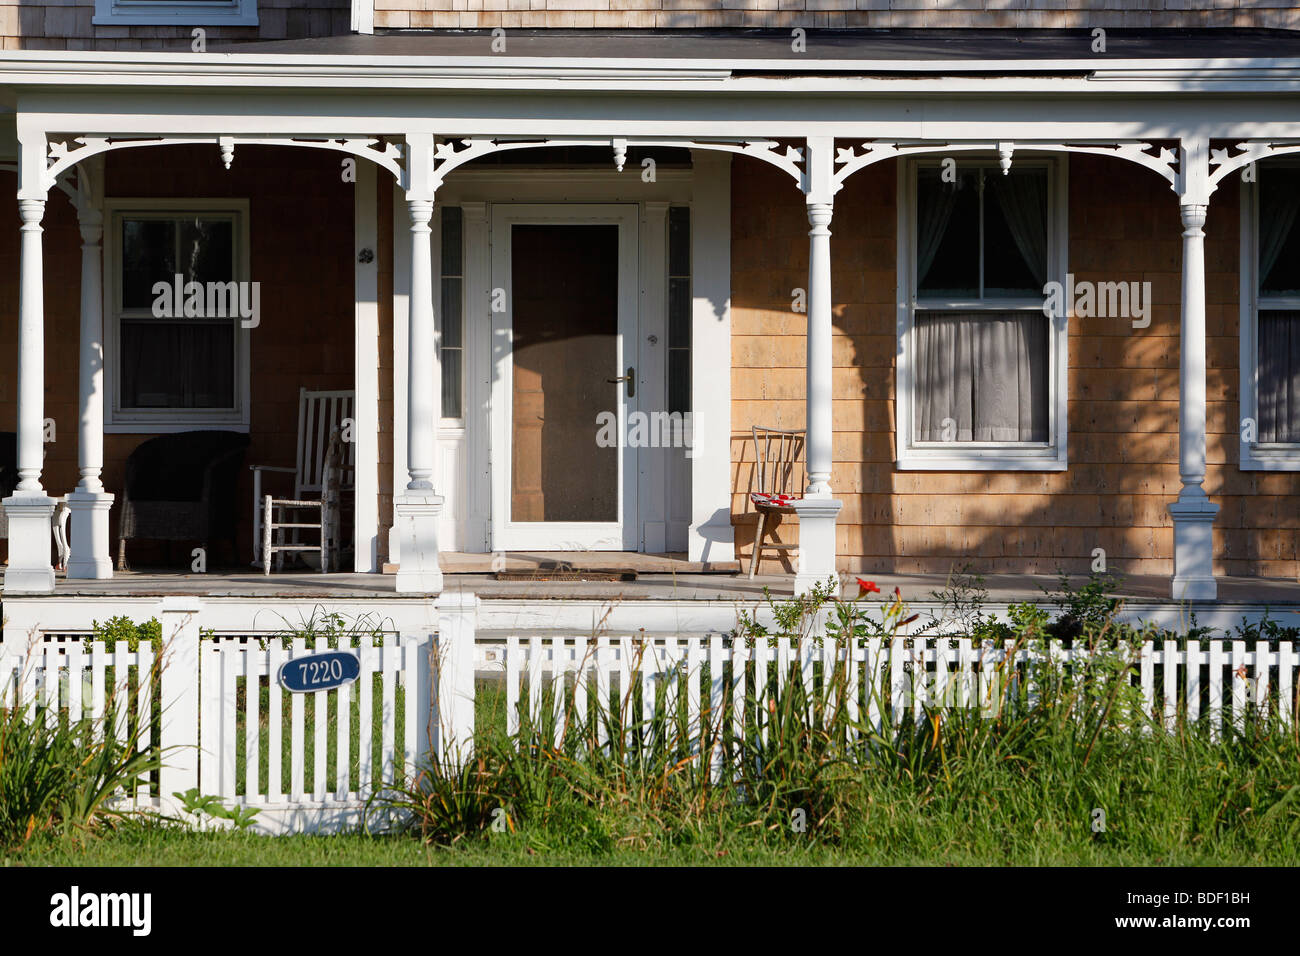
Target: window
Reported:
point(1270, 320)
point(679, 309)
point(197, 13)
point(452, 348)
point(176, 348)
point(981, 368)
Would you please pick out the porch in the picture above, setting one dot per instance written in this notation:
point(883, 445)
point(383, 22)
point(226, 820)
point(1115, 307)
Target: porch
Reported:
point(872, 473)
point(655, 603)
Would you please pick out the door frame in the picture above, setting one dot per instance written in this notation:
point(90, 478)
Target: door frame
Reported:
point(509, 535)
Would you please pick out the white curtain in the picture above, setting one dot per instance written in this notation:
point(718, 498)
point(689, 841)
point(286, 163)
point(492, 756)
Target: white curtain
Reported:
point(1279, 376)
point(981, 376)
point(1022, 197)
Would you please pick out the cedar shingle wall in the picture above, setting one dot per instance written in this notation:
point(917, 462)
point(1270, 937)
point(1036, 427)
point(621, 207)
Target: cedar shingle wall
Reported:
point(664, 14)
point(55, 25)
point(1123, 432)
point(52, 25)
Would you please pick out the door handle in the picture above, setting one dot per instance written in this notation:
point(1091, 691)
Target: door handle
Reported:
point(630, 378)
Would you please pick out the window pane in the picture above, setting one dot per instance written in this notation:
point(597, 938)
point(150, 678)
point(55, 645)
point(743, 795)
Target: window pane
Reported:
point(177, 364)
point(1279, 376)
point(947, 234)
point(1015, 232)
point(981, 376)
point(452, 341)
point(1279, 240)
point(207, 250)
point(679, 380)
point(451, 241)
point(148, 256)
point(679, 313)
point(679, 241)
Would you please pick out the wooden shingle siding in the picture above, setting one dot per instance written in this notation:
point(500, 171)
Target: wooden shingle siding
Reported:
point(1123, 416)
point(50, 25)
point(877, 14)
point(57, 26)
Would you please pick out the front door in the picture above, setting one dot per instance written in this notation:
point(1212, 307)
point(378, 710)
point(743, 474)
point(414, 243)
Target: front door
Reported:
point(564, 315)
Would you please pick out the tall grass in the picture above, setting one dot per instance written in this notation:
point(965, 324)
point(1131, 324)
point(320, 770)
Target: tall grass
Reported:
point(59, 777)
point(1054, 765)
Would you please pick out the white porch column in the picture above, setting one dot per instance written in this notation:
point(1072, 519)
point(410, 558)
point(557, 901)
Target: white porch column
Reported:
point(29, 509)
point(817, 510)
point(1193, 513)
point(418, 510)
point(711, 536)
point(89, 504)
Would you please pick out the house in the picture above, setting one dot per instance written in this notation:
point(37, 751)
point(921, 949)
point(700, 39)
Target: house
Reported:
point(1020, 273)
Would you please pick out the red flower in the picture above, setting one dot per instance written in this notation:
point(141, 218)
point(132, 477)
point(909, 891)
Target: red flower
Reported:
point(867, 587)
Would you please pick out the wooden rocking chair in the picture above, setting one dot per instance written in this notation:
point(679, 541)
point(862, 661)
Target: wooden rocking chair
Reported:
point(321, 414)
point(777, 456)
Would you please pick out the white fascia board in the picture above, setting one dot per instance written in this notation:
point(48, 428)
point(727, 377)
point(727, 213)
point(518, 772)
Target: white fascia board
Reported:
point(83, 68)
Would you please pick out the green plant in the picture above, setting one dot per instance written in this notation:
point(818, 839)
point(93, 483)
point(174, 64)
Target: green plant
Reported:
point(61, 776)
point(122, 628)
point(205, 805)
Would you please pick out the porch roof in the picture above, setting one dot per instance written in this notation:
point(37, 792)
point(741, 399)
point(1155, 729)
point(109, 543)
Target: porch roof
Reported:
point(1032, 50)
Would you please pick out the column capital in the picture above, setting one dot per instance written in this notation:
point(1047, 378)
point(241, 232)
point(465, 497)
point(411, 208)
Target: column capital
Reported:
point(819, 215)
point(421, 211)
point(1193, 215)
point(31, 211)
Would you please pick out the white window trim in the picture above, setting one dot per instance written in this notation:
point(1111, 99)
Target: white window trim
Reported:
point(981, 456)
point(1254, 455)
point(198, 13)
point(117, 421)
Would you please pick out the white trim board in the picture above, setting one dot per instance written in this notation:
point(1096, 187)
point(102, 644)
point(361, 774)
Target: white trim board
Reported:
point(366, 370)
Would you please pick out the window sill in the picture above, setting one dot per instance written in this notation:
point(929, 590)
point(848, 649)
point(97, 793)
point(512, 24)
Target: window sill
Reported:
point(170, 426)
point(954, 460)
point(1269, 457)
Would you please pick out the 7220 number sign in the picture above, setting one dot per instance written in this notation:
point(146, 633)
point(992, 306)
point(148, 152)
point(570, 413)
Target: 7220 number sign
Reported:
point(319, 671)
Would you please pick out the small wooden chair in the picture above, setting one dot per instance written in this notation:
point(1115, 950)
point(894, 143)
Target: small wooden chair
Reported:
point(281, 514)
point(778, 454)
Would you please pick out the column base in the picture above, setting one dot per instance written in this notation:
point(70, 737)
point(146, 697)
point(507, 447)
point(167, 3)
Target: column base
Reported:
point(416, 519)
point(29, 571)
point(91, 550)
point(1193, 514)
point(816, 544)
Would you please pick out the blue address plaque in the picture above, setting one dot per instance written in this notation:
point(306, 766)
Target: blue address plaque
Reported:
point(324, 671)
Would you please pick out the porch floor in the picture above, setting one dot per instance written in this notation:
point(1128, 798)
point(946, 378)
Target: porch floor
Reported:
point(690, 586)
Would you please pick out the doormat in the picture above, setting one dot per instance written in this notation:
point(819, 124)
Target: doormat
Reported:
point(563, 574)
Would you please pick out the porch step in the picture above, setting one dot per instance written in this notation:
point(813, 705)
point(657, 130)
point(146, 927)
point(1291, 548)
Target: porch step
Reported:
point(603, 562)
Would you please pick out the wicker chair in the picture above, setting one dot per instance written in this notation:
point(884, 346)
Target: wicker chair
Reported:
point(181, 487)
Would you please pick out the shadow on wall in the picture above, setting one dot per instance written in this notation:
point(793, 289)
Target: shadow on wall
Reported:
point(1123, 392)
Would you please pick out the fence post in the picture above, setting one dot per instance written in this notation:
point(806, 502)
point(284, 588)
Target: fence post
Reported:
point(454, 660)
point(179, 679)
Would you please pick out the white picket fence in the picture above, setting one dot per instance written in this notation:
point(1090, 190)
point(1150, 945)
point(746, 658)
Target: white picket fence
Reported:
point(306, 762)
point(716, 686)
point(212, 707)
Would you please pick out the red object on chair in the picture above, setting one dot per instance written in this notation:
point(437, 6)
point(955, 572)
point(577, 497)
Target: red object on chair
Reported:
point(777, 456)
